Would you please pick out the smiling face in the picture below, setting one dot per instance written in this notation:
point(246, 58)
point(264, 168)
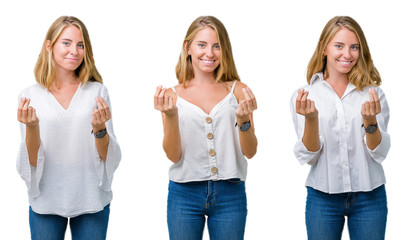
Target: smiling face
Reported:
point(342, 52)
point(205, 51)
point(68, 50)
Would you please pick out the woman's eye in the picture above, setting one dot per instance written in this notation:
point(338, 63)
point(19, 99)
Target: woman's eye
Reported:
point(65, 43)
point(354, 47)
point(81, 45)
point(216, 47)
point(338, 46)
point(201, 45)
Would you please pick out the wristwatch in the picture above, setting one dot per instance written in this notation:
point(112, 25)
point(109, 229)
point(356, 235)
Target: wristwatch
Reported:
point(370, 128)
point(245, 126)
point(100, 134)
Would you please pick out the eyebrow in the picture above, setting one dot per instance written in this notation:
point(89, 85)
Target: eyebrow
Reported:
point(67, 39)
point(344, 43)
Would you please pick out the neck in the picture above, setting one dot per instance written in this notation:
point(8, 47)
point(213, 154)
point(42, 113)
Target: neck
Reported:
point(64, 78)
point(337, 78)
point(203, 78)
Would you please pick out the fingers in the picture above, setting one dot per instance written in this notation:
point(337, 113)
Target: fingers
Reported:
point(25, 113)
point(101, 114)
point(249, 96)
point(371, 108)
point(373, 96)
point(164, 102)
point(305, 106)
point(103, 108)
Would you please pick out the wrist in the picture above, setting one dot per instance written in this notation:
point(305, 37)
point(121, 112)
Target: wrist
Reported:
point(241, 120)
point(369, 121)
point(98, 128)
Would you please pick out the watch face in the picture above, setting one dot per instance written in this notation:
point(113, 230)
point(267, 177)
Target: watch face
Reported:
point(371, 129)
point(245, 126)
point(101, 133)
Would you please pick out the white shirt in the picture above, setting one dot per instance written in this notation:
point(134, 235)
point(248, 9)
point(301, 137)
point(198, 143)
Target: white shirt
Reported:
point(210, 143)
point(70, 178)
point(343, 163)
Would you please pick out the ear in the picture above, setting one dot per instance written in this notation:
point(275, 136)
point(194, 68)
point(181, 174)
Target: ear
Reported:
point(47, 45)
point(186, 47)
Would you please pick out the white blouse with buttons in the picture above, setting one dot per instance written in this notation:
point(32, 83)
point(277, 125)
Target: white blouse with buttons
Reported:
point(70, 178)
point(343, 163)
point(210, 143)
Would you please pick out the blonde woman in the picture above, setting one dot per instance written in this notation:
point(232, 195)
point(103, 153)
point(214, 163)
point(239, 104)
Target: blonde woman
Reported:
point(341, 119)
point(68, 152)
point(208, 133)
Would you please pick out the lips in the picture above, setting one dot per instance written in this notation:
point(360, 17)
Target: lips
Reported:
point(207, 62)
point(345, 63)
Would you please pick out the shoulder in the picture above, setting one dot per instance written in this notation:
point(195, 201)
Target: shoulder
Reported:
point(32, 90)
point(95, 87)
point(238, 90)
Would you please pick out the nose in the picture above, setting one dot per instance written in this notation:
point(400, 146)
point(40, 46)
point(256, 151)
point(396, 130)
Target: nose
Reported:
point(347, 53)
point(74, 50)
point(209, 52)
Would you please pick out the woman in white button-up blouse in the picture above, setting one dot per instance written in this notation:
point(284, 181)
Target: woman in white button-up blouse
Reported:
point(208, 132)
point(67, 169)
point(341, 122)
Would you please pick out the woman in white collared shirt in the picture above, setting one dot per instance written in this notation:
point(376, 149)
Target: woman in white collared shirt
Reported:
point(341, 122)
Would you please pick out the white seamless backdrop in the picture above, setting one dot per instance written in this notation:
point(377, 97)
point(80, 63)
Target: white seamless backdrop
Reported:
point(136, 46)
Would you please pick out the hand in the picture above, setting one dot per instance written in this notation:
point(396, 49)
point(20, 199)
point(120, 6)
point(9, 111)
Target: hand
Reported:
point(26, 114)
point(305, 106)
point(246, 106)
point(164, 103)
point(100, 115)
point(371, 108)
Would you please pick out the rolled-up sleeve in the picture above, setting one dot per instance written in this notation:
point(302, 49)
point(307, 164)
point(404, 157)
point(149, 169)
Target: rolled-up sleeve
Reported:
point(301, 152)
point(106, 169)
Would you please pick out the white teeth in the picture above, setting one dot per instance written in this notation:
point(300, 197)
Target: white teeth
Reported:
point(345, 63)
point(207, 61)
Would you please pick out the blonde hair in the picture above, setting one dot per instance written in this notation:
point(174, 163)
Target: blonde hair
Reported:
point(226, 71)
point(45, 68)
point(364, 73)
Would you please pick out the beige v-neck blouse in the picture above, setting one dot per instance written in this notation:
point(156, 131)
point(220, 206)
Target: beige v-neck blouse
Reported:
point(70, 178)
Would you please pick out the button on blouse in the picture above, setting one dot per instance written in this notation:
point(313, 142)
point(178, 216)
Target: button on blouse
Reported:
point(210, 143)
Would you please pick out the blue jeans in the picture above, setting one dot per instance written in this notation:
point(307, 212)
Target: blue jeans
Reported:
point(86, 226)
point(223, 202)
point(366, 213)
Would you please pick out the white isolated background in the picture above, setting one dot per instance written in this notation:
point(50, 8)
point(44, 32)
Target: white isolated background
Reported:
point(136, 46)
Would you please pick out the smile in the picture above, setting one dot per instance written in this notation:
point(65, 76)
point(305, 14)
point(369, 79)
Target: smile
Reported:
point(208, 62)
point(344, 62)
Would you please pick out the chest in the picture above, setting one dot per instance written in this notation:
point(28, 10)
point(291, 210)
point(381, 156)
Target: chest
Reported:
point(64, 96)
point(204, 98)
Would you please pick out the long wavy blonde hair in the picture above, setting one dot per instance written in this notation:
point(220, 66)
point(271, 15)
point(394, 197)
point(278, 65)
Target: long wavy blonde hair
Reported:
point(45, 68)
point(364, 73)
point(226, 71)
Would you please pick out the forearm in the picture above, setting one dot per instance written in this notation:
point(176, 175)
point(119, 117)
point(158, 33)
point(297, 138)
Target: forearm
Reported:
point(248, 142)
point(102, 145)
point(311, 134)
point(33, 141)
point(372, 139)
point(172, 138)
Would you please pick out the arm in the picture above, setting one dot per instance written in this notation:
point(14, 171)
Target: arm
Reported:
point(306, 107)
point(369, 111)
point(27, 115)
point(301, 151)
point(244, 113)
point(99, 117)
point(166, 103)
point(106, 150)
